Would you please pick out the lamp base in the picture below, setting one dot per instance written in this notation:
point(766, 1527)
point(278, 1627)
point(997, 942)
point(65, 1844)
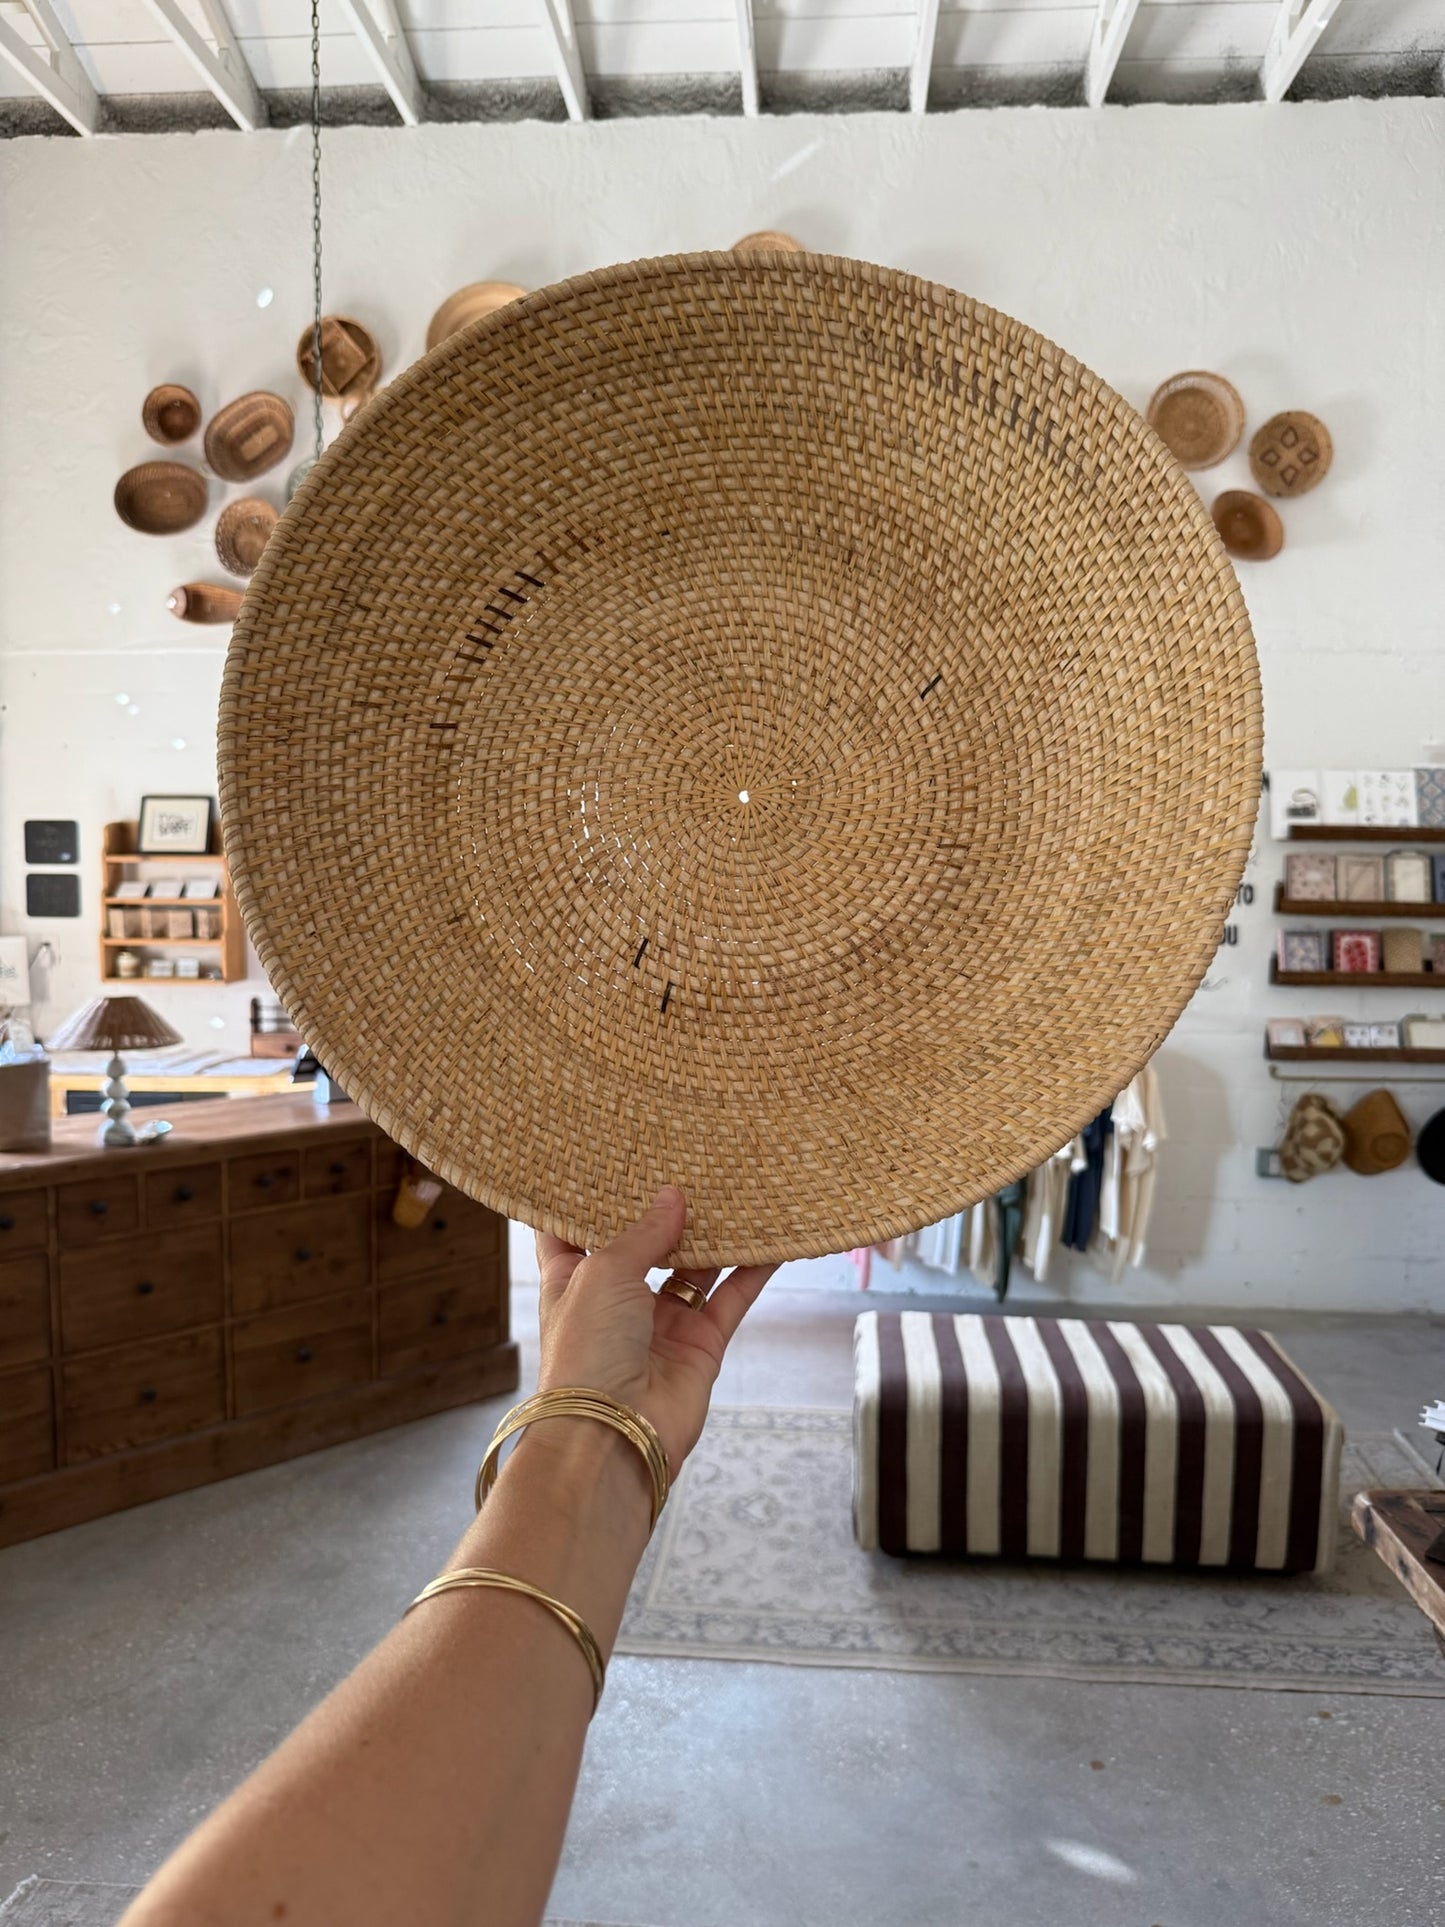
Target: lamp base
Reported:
point(117, 1131)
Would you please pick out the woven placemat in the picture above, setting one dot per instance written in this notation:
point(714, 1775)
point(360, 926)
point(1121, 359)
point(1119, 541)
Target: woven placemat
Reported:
point(766, 723)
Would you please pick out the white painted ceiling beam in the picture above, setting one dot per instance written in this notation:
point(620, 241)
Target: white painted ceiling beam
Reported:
point(748, 57)
point(562, 31)
point(58, 77)
point(222, 67)
point(1106, 42)
point(1297, 27)
point(922, 69)
point(382, 35)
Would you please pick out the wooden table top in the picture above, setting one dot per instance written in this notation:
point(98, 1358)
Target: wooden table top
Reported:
point(214, 1127)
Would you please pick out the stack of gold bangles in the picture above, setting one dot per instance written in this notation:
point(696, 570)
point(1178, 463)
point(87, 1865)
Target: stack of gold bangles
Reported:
point(564, 1401)
point(576, 1401)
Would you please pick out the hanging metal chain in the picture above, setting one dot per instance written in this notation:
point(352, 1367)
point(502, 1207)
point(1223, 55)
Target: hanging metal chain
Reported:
point(316, 218)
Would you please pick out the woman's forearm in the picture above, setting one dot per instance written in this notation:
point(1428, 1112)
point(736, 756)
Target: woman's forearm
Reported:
point(437, 1778)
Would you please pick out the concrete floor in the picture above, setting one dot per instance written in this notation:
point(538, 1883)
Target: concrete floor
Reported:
point(147, 1660)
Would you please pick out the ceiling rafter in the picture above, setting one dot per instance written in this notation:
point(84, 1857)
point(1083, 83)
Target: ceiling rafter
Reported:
point(56, 74)
point(562, 30)
point(381, 33)
point(1297, 27)
point(921, 71)
point(1110, 30)
point(222, 66)
point(748, 57)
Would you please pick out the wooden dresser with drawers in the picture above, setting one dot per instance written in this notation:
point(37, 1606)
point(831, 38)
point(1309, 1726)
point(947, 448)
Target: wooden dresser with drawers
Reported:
point(234, 1295)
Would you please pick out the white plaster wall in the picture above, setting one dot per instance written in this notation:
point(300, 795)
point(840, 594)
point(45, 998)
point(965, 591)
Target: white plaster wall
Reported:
point(1298, 249)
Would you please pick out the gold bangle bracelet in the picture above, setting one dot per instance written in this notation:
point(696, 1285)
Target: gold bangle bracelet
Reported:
point(578, 1401)
point(465, 1576)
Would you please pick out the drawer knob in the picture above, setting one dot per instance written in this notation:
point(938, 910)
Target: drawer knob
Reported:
point(99, 1207)
point(265, 1181)
point(184, 1194)
point(303, 1254)
point(337, 1170)
point(7, 1223)
point(145, 1287)
point(440, 1318)
point(438, 1224)
point(147, 1394)
point(303, 1355)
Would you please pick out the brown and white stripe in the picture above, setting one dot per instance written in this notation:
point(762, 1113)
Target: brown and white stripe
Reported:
point(1065, 1438)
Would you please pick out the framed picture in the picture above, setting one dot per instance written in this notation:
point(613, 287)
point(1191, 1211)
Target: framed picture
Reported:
point(131, 888)
point(1385, 1036)
point(1361, 879)
point(201, 887)
point(1356, 950)
point(175, 825)
point(51, 839)
point(1407, 876)
point(1424, 1033)
point(1286, 1033)
point(1302, 950)
point(1309, 877)
point(1359, 1036)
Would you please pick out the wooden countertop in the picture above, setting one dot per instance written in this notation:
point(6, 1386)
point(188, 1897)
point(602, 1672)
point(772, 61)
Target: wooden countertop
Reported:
point(217, 1127)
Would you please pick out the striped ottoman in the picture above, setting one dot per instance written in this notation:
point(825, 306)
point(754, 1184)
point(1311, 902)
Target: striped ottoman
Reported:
point(1056, 1438)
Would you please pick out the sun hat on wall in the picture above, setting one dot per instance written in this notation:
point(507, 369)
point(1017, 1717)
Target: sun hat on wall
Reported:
point(760, 722)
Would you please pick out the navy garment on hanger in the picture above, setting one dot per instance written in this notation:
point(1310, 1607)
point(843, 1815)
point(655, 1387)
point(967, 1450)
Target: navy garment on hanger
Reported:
point(1082, 1207)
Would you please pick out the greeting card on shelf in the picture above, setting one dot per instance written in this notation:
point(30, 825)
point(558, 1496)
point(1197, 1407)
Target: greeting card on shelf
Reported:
point(1387, 796)
point(1339, 796)
point(1294, 797)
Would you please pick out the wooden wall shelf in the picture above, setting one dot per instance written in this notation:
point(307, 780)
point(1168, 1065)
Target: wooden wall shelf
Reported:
point(1359, 979)
point(1362, 833)
point(1355, 912)
point(1342, 1054)
point(120, 858)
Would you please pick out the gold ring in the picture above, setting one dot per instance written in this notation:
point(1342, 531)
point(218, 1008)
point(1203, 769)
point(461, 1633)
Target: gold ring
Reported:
point(677, 1286)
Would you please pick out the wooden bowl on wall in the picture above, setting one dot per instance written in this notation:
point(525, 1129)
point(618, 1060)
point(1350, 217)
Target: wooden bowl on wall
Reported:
point(350, 358)
point(170, 413)
point(205, 602)
point(243, 529)
point(161, 498)
point(1291, 453)
point(469, 304)
point(1248, 526)
point(768, 240)
point(250, 435)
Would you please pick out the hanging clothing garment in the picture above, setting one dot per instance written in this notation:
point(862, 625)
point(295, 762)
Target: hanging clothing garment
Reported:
point(940, 1246)
point(1084, 1186)
point(1044, 1210)
point(1009, 1203)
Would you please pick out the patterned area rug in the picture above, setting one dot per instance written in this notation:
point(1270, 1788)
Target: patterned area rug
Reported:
point(96, 1903)
point(755, 1560)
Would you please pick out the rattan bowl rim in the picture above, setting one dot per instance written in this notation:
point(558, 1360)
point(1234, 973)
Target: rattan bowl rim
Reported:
point(1222, 391)
point(164, 395)
point(264, 401)
point(362, 1073)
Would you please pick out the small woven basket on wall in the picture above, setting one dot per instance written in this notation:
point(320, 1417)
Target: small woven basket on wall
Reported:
point(765, 723)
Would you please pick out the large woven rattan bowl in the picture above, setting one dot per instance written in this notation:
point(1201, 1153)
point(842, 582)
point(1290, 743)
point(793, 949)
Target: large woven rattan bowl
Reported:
point(762, 723)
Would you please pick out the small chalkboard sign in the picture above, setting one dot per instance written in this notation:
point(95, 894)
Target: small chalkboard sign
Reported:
point(51, 896)
point(47, 840)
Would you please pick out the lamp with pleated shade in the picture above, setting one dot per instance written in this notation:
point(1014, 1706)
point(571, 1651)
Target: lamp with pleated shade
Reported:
point(115, 1024)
